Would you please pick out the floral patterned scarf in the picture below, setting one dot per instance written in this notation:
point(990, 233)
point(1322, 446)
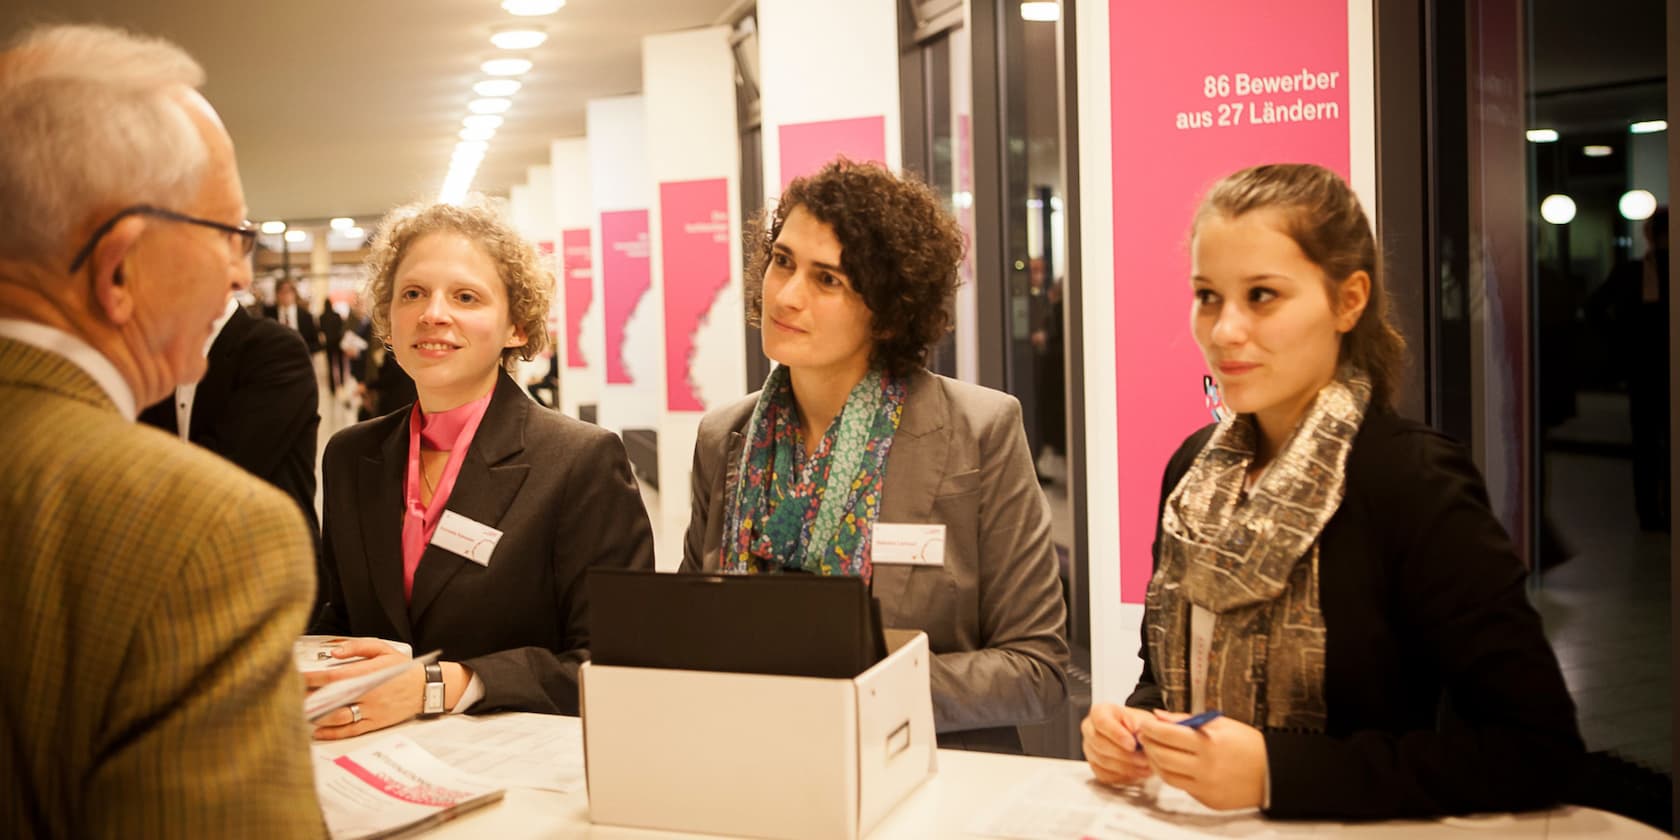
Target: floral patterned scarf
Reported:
point(813, 514)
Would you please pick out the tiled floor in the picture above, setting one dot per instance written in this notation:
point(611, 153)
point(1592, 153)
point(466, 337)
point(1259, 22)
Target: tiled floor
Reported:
point(1606, 610)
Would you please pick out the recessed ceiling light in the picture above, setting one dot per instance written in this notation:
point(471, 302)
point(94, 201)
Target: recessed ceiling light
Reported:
point(354, 233)
point(482, 121)
point(506, 66)
point(342, 223)
point(1597, 151)
point(477, 133)
point(273, 227)
point(489, 106)
point(497, 87)
point(1040, 10)
point(519, 37)
point(532, 8)
point(296, 236)
point(1648, 126)
point(1542, 135)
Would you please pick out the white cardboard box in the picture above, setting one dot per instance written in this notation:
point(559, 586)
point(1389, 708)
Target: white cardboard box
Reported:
point(754, 754)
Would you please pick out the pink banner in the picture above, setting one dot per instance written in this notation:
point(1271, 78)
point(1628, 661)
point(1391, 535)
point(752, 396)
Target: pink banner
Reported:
point(808, 147)
point(625, 277)
point(694, 247)
point(1265, 82)
point(579, 274)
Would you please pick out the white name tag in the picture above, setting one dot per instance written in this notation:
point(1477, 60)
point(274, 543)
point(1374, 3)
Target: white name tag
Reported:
point(908, 544)
point(459, 535)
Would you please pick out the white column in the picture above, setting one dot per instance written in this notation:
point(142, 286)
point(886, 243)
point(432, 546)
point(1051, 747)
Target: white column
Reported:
point(812, 111)
point(693, 151)
point(579, 298)
point(631, 344)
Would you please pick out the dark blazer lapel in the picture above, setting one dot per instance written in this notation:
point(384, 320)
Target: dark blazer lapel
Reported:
point(381, 480)
point(484, 489)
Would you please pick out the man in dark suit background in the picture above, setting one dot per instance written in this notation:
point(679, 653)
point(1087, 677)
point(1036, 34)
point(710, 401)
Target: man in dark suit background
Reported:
point(256, 406)
point(332, 332)
point(289, 312)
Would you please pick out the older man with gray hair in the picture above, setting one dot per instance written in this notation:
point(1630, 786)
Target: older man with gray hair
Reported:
point(149, 591)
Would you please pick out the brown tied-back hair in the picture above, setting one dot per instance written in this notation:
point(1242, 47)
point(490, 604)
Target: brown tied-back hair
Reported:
point(1323, 216)
point(529, 285)
point(899, 248)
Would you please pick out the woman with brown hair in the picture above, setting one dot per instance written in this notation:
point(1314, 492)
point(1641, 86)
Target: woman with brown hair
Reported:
point(466, 521)
point(1328, 575)
point(852, 438)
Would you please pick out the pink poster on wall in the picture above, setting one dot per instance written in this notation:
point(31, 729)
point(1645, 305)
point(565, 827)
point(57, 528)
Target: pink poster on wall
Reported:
point(808, 147)
point(694, 253)
point(1200, 89)
point(579, 273)
point(625, 277)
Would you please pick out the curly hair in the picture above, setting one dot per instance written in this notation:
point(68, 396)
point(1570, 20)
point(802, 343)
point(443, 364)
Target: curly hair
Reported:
point(530, 286)
point(899, 247)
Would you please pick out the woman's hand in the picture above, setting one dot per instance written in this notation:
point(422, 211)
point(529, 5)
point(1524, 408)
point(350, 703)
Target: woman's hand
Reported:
point(1109, 735)
point(1222, 765)
point(388, 704)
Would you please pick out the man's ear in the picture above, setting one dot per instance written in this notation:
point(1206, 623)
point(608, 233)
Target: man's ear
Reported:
point(113, 289)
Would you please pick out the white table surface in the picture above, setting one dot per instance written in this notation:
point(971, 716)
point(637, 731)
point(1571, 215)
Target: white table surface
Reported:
point(969, 782)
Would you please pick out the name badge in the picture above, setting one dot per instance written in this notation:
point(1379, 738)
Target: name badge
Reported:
point(908, 544)
point(457, 534)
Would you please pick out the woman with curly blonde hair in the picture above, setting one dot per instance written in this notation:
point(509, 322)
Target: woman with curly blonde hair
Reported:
point(852, 439)
point(466, 521)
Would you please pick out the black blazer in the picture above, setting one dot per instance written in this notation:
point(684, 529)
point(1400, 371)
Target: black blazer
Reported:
point(305, 325)
point(561, 493)
point(257, 406)
point(1444, 696)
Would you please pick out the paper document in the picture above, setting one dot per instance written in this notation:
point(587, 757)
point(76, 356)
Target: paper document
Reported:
point(1065, 803)
point(337, 695)
point(391, 787)
point(529, 751)
point(314, 653)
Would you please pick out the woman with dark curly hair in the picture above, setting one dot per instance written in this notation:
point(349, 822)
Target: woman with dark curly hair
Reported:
point(465, 522)
point(852, 439)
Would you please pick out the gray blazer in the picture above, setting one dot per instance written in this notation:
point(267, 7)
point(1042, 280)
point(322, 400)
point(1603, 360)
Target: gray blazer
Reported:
point(993, 613)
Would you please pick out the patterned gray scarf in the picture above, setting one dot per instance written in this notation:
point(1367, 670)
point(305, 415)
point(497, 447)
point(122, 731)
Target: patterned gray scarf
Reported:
point(1253, 562)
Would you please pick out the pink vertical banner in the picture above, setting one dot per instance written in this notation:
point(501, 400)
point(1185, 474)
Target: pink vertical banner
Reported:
point(694, 249)
point(578, 270)
point(1265, 83)
point(808, 147)
point(625, 276)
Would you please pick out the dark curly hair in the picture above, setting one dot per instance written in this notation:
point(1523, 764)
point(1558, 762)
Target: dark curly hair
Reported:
point(898, 246)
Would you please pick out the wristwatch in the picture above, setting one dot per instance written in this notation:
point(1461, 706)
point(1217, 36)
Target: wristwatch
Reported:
point(431, 703)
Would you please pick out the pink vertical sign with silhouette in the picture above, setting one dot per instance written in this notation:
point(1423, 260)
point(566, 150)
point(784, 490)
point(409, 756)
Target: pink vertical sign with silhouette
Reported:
point(578, 273)
point(694, 253)
point(1200, 89)
point(626, 276)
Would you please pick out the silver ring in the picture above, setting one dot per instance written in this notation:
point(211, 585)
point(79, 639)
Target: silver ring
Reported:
point(355, 713)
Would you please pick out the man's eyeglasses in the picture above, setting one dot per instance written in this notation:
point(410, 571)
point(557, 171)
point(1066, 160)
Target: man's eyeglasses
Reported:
point(243, 238)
